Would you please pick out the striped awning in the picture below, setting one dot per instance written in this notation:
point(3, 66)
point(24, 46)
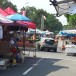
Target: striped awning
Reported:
point(3, 19)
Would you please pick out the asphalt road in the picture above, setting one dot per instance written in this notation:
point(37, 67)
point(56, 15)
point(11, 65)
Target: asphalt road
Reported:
point(44, 64)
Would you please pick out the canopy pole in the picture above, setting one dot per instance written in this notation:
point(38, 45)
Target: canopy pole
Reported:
point(24, 39)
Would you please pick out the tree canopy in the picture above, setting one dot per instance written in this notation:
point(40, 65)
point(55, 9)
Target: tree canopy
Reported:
point(71, 19)
point(5, 3)
point(51, 23)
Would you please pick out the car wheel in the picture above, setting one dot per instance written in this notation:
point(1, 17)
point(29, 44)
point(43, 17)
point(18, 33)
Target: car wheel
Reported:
point(48, 50)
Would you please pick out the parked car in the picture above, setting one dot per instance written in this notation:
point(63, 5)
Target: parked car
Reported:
point(47, 44)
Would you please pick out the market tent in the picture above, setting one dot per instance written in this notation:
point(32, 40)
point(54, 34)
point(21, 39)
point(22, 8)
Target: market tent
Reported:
point(38, 31)
point(18, 17)
point(48, 32)
point(23, 23)
point(31, 30)
point(67, 33)
point(3, 12)
point(62, 33)
point(10, 11)
point(3, 19)
point(31, 25)
point(23, 20)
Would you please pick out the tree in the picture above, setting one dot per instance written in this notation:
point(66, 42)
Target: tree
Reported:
point(51, 23)
point(5, 3)
point(67, 27)
point(1, 2)
point(71, 19)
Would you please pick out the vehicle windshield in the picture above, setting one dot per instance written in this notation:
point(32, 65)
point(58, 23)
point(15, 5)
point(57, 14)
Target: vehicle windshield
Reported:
point(47, 41)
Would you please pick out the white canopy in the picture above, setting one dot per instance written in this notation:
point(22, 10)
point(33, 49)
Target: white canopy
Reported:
point(39, 31)
point(3, 19)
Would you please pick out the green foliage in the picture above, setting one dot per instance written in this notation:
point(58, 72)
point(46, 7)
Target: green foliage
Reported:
point(51, 23)
point(1, 2)
point(67, 16)
point(5, 3)
point(71, 19)
point(67, 27)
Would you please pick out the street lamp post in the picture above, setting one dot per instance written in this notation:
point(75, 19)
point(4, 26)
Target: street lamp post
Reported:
point(42, 22)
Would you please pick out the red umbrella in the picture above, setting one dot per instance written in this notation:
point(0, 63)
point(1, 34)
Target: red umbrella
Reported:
point(23, 23)
point(10, 11)
point(31, 25)
point(3, 12)
point(28, 24)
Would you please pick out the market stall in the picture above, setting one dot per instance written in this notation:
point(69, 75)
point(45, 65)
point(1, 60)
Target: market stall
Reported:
point(70, 49)
point(10, 35)
point(8, 49)
point(68, 41)
point(4, 45)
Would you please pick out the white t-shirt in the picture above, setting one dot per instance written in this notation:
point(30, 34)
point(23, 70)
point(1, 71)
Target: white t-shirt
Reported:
point(60, 43)
point(12, 42)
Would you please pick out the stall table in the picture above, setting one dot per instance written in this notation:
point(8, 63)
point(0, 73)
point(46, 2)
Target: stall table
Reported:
point(3, 64)
point(70, 49)
point(4, 51)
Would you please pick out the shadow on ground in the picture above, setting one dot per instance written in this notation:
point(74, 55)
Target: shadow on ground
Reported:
point(43, 68)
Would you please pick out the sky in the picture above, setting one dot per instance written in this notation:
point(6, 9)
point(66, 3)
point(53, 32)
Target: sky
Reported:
point(39, 4)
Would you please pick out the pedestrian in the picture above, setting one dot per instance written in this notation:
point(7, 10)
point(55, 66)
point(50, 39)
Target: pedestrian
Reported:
point(13, 41)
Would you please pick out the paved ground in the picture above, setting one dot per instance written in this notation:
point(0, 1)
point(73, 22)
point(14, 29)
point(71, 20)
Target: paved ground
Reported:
point(45, 64)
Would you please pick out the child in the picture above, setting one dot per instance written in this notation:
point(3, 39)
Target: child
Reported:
point(13, 55)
